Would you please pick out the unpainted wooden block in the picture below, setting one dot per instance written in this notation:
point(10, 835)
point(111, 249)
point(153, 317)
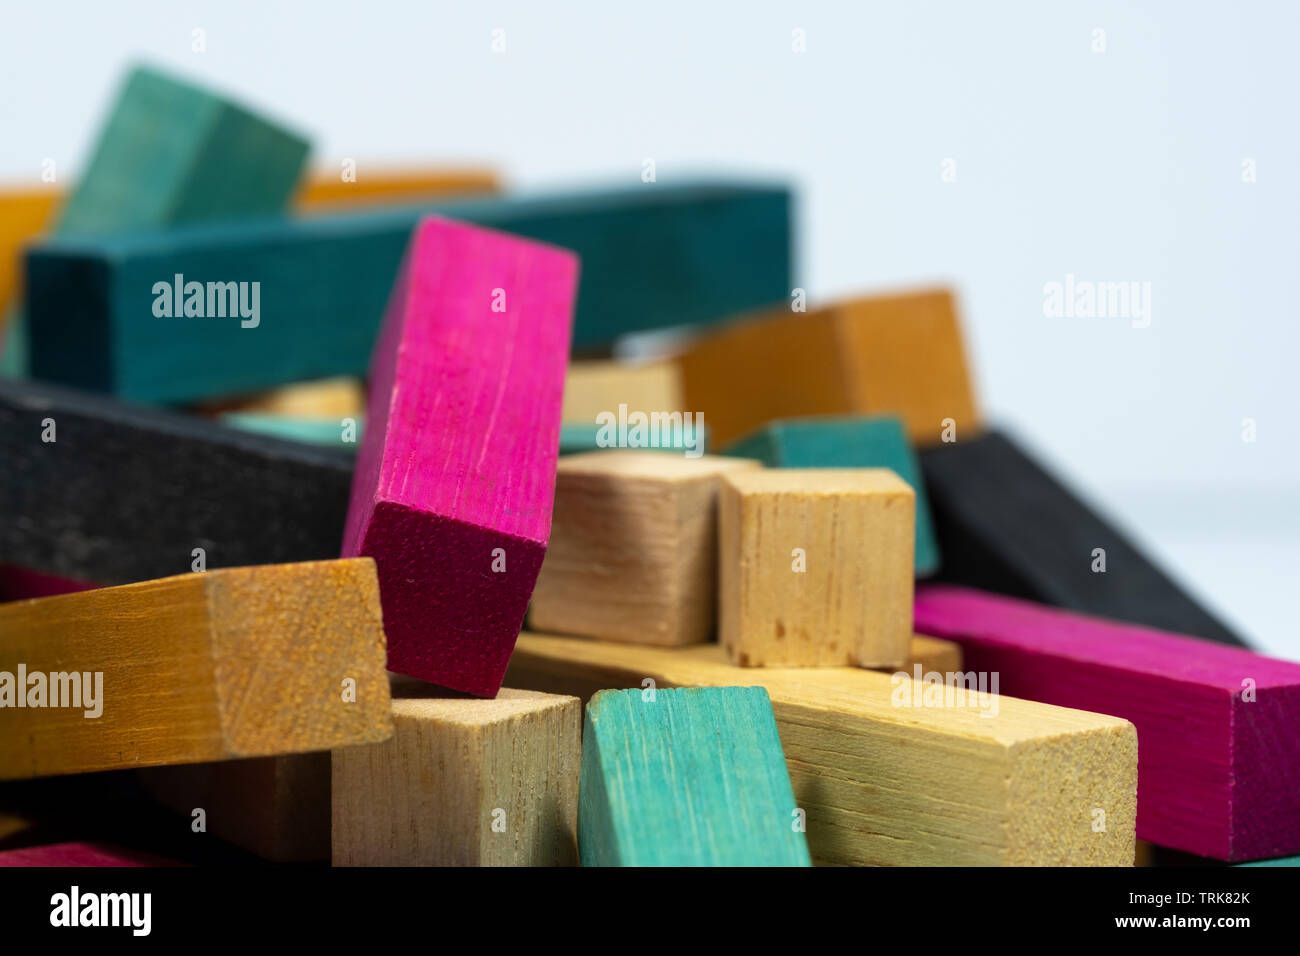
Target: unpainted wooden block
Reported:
point(686, 777)
point(887, 779)
point(463, 782)
point(595, 387)
point(815, 567)
point(237, 662)
point(339, 397)
point(633, 551)
point(881, 355)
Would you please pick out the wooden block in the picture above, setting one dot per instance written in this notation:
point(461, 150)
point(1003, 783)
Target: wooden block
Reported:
point(666, 256)
point(633, 551)
point(127, 494)
point(1007, 525)
point(172, 153)
point(24, 214)
point(933, 654)
point(327, 191)
point(689, 437)
point(341, 434)
point(17, 583)
point(463, 783)
point(847, 443)
point(1219, 773)
point(275, 807)
point(240, 662)
point(1283, 861)
point(887, 783)
point(79, 855)
point(689, 777)
point(815, 567)
point(335, 398)
point(456, 473)
point(593, 388)
point(886, 355)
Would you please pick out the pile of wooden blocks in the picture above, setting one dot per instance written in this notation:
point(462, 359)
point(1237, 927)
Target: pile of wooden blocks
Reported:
point(286, 470)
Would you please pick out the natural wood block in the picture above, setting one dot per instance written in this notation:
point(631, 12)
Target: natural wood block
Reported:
point(933, 654)
point(689, 777)
point(884, 355)
point(170, 153)
point(463, 783)
point(847, 443)
point(885, 781)
point(335, 398)
point(327, 191)
point(275, 807)
point(125, 494)
point(79, 855)
point(1005, 524)
point(592, 388)
point(1219, 773)
point(651, 257)
point(815, 567)
point(239, 662)
point(456, 473)
point(633, 551)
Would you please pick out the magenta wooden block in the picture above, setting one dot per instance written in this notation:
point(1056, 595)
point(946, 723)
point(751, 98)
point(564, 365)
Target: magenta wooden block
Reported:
point(455, 475)
point(1218, 772)
point(79, 854)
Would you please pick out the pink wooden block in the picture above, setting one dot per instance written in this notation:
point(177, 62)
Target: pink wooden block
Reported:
point(456, 472)
point(1218, 773)
point(79, 854)
point(18, 583)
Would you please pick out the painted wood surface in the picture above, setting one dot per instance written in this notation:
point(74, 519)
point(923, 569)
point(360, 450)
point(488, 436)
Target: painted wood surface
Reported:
point(462, 783)
point(815, 567)
point(867, 442)
point(79, 855)
point(170, 153)
point(664, 256)
point(341, 434)
point(1219, 773)
point(633, 549)
point(888, 781)
point(896, 355)
point(686, 777)
point(126, 494)
point(576, 439)
point(456, 474)
point(1006, 524)
point(238, 662)
point(25, 213)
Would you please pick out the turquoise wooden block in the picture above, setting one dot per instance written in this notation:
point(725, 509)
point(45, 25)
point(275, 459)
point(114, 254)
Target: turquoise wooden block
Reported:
point(209, 312)
point(686, 777)
point(858, 442)
point(1280, 861)
point(330, 432)
point(172, 153)
point(582, 437)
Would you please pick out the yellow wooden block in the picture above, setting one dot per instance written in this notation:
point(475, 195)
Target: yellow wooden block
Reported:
point(325, 191)
point(24, 215)
point(463, 782)
point(237, 662)
point(594, 387)
point(885, 779)
point(335, 398)
point(633, 549)
point(883, 355)
point(815, 567)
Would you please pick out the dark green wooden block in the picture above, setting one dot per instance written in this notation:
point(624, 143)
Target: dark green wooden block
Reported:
point(686, 777)
point(651, 257)
point(875, 442)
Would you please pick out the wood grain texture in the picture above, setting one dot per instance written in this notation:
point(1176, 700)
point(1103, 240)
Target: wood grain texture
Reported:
point(815, 567)
point(652, 257)
point(593, 386)
point(633, 550)
point(171, 153)
point(893, 785)
point(686, 777)
point(1219, 774)
point(896, 355)
point(463, 783)
point(1006, 524)
point(79, 855)
point(239, 662)
point(456, 474)
point(326, 191)
point(840, 442)
point(126, 494)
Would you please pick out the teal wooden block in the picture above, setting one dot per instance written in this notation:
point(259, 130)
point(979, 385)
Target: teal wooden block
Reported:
point(582, 437)
point(857, 442)
point(686, 777)
point(282, 300)
point(330, 432)
point(1280, 861)
point(172, 153)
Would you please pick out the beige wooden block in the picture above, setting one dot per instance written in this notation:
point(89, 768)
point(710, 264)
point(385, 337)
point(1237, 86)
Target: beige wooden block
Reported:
point(340, 397)
point(633, 550)
point(463, 782)
point(815, 567)
point(592, 387)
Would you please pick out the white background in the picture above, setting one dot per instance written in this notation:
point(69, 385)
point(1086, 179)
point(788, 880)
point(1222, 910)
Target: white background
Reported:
point(1122, 165)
